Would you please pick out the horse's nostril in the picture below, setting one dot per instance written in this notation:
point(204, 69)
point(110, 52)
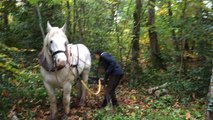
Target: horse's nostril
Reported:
point(58, 60)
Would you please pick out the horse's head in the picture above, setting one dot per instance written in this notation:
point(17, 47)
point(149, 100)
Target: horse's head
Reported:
point(56, 43)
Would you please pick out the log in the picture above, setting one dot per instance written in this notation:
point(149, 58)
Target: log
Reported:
point(152, 90)
point(161, 92)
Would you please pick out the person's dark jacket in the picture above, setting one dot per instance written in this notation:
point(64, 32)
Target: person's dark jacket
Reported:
point(110, 65)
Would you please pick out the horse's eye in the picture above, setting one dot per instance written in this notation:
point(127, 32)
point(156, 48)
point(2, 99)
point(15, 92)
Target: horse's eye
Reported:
point(51, 41)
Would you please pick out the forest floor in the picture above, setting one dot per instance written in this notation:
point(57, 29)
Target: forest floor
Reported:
point(132, 105)
point(23, 96)
point(126, 98)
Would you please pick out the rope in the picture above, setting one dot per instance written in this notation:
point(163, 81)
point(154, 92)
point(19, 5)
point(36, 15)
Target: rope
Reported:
point(90, 91)
point(78, 76)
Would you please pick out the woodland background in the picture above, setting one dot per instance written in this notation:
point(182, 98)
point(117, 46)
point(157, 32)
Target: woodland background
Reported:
point(157, 42)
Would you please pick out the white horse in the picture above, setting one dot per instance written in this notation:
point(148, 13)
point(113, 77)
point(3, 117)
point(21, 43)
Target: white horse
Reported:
point(60, 64)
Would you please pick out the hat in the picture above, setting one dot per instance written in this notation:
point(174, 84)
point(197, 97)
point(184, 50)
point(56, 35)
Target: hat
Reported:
point(98, 52)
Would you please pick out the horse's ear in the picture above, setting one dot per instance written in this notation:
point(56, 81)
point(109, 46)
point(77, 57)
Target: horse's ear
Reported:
point(48, 26)
point(64, 28)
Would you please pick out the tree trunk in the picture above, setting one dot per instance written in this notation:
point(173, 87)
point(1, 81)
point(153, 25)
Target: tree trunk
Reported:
point(80, 22)
point(114, 19)
point(174, 38)
point(84, 20)
point(114, 16)
point(69, 32)
point(6, 22)
point(185, 41)
point(135, 41)
point(75, 17)
point(40, 20)
point(154, 47)
point(209, 109)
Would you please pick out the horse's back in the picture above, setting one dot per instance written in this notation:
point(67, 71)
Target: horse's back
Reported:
point(81, 51)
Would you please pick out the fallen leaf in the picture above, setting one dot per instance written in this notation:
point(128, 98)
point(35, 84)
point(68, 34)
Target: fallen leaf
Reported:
point(13, 82)
point(47, 113)
point(4, 93)
point(133, 97)
point(13, 108)
point(20, 101)
point(188, 115)
point(177, 105)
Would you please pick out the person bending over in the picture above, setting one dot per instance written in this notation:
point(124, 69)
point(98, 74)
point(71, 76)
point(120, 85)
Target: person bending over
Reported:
point(113, 72)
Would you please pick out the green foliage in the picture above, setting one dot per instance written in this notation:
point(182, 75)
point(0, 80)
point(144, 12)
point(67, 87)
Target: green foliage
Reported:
point(24, 27)
point(184, 87)
point(162, 108)
point(18, 84)
point(21, 90)
point(171, 114)
point(120, 113)
point(108, 25)
point(33, 1)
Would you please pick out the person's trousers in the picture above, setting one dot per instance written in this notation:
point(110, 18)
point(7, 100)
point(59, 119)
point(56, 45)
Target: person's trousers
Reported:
point(110, 96)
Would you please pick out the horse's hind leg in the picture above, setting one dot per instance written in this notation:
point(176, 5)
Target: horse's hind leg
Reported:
point(85, 75)
point(52, 99)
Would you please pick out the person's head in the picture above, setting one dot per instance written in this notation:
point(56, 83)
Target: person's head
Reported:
point(98, 54)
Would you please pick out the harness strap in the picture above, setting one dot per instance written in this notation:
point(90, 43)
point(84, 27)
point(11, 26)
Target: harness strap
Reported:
point(56, 52)
point(74, 65)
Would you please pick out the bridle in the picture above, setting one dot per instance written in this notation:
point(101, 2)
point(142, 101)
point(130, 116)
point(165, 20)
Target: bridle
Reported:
point(58, 51)
point(54, 60)
point(69, 57)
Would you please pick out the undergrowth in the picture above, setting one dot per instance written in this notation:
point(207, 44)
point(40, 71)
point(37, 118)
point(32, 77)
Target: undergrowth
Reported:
point(22, 91)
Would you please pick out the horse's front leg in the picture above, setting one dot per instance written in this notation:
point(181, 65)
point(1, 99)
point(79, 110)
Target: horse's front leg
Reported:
point(52, 100)
point(66, 97)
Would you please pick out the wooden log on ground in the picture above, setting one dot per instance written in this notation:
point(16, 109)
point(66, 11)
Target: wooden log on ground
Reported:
point(152, 90)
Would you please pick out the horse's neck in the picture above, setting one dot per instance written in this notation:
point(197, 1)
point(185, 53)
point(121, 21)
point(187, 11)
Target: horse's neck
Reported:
point(47, 57)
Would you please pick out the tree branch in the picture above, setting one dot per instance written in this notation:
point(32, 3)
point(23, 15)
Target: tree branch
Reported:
point(40, 21)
